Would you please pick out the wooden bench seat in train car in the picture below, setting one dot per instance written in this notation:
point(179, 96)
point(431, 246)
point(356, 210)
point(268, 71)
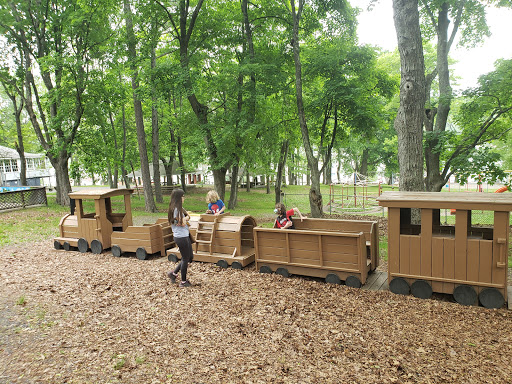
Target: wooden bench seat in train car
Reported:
point(465, 260)
point(332, 255)
point(93, 229)
point(370, 230)
point(222, 239)
point(143, 240)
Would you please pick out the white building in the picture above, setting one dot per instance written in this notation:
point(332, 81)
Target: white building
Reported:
point(39, 172)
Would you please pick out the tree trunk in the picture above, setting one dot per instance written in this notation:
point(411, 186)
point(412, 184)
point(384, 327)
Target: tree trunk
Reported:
point(139, 119)
point(62, 174)
point(283, 154)
point(155, 135)
point(219, 181)
point(233, 197)
point(436, 122)
point(315, 196)
point(292, 177)
point(182, 166)
point(409, 119)
point(124, 172)
point(20, 147)
point(363, 167)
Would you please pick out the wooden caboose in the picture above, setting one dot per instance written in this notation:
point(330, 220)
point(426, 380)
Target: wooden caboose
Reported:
point(221, 239)
point(464, 259)
point(336, 250)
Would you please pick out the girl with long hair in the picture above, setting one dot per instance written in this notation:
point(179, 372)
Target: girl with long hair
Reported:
point(179, 218)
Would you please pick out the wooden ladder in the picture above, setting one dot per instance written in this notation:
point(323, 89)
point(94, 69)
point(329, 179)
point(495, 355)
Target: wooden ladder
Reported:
point(205, 233)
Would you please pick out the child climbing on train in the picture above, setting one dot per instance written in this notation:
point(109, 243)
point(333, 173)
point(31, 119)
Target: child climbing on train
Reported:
point(284, 217)
point(215, 204)
point(179, 218)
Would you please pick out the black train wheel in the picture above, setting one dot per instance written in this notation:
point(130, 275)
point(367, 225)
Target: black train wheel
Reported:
point(116, 251)
point(66, 246)
point(236, 265)
point(57, 245)
point(421, 289)
point(399, 286)
point(96, 247)
point(222, 263)
point(172, 257)
point(353, 282)
point(283, 272)
point(465, 295)
point(491, 298)
point(332, 278)
point(141, 253)
point(83, 246)
point(265, 269)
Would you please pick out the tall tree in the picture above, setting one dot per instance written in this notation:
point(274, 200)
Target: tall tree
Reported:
point(341, 12)
point(409, 119)
point(445, 21)
point(137, 105)
point(183, 19)
point(62, 39)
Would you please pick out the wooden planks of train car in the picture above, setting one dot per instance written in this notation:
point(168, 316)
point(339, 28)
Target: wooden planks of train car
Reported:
point(223, 239)
point(315, 253)
point(466, 260)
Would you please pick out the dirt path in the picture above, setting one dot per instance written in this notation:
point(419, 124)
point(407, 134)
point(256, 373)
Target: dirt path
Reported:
point(67, 317)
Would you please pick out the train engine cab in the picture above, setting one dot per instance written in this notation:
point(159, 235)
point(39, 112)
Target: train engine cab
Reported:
point(92, 220)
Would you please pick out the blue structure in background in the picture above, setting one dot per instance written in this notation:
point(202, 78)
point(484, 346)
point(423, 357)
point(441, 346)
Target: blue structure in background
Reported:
point(9, 189)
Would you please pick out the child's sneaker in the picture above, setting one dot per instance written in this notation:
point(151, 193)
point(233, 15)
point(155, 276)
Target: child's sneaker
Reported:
point(172, 276)
point(185, 284)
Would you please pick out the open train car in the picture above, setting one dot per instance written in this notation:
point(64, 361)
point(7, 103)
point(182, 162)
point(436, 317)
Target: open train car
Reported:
point(223, 239)
point(337, 250)
point(465, 260)
point(101, 228)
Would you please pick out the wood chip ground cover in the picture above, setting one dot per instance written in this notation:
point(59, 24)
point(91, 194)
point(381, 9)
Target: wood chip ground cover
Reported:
point(67, 317)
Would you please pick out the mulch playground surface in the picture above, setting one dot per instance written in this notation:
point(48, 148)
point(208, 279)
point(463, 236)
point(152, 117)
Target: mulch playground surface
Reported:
point(68, 317)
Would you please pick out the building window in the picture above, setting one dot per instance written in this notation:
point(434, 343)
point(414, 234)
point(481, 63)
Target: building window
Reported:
point(7, 166)
point(14, 165)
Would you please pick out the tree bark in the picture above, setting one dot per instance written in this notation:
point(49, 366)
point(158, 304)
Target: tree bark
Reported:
point(409, 119)
point(315, 196)
point(139, 119)
point(124, 172)
point(155, 135)
point(19, 146)
point(283, 154)
point(182, 166)
point(233, 196)
point(219, 181)
point(437, 121)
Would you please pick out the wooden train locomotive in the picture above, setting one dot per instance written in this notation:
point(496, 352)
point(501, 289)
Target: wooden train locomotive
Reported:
point(222, 239)
point(465, 260)
point(102, 228)
point(332, 249)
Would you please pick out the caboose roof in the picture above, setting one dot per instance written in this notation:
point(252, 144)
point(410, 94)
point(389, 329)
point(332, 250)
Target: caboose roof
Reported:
point(448, 200)
point(99, 193)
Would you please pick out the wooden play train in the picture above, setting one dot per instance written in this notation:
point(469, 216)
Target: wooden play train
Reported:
point(102, 228)
point(424, 256)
